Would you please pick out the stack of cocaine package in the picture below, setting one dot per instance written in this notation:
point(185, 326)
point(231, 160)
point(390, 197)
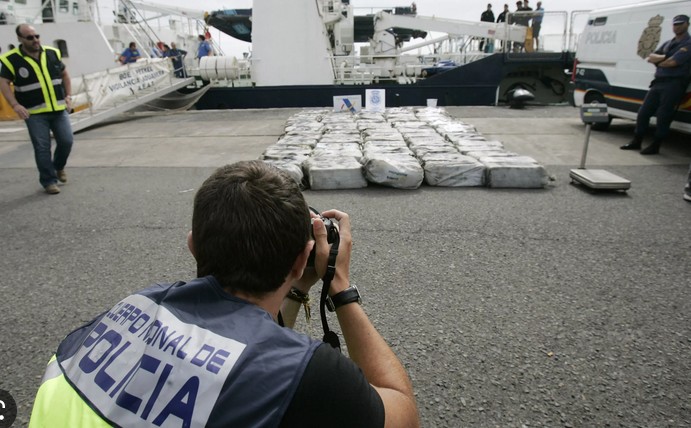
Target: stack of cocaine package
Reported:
point(387, 159)
point(400, 148)
point(335, 161)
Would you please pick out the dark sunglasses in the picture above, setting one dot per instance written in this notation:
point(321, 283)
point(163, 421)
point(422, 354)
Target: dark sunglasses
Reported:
point(30, 38)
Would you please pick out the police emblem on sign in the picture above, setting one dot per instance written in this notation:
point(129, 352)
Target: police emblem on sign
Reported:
point(23, 72)
point(376, 97)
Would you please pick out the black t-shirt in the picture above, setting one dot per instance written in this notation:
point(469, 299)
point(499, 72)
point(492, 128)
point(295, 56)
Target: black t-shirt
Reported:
point(333, 392)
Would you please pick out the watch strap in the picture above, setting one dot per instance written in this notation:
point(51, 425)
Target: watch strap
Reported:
point(349, 295)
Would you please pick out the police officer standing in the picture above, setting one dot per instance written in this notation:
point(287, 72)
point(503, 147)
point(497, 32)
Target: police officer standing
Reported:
point(487, 16)
point(673, 68)
point(42, 99)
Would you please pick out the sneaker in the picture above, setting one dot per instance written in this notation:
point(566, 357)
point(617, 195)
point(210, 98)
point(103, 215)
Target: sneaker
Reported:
point(687, 197)
point(62, 176)
point(52, 189)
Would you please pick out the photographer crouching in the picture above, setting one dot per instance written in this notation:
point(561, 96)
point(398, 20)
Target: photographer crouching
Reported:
point(211, 352)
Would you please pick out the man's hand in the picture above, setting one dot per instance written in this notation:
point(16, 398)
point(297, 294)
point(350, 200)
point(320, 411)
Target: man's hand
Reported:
point(341, 279)
point(21, 111)
point(312, 274)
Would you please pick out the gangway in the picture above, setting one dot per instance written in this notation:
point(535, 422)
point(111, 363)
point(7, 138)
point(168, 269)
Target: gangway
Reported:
point(103, 95)
point(90, 117)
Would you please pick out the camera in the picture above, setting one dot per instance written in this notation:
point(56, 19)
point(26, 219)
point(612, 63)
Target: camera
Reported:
point(331, 235)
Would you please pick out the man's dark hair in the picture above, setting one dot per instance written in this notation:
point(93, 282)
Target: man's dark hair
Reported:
point(249, 225)
point(201, 37)
point(132, 44)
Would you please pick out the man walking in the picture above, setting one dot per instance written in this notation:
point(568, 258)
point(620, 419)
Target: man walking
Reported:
point(673, 67)
point(42, 99)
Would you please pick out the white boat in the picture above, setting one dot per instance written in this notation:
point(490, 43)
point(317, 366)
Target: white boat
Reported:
point(305, 52)
point(91, 39)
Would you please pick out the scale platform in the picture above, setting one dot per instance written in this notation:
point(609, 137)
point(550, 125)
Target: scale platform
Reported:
point(599, 179)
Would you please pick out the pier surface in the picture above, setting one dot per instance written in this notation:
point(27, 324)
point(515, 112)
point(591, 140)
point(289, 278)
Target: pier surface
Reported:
point(509, 308)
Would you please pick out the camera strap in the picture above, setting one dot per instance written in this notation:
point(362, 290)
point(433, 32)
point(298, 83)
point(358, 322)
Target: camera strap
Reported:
point(330, 336)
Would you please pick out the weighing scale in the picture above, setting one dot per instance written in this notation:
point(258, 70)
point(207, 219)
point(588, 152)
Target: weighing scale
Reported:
point(597, 179)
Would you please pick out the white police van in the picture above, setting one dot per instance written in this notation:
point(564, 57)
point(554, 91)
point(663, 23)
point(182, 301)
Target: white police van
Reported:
point(611, 66)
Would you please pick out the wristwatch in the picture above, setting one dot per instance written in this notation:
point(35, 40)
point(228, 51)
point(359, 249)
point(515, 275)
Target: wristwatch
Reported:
point(349, 295)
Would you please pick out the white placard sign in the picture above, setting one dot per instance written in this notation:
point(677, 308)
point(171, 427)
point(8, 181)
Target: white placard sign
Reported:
point(347, 103)
point(375, 100)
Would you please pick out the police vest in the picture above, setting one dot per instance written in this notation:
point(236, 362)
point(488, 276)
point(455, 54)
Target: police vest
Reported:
point(180, 355)
point(37, 85)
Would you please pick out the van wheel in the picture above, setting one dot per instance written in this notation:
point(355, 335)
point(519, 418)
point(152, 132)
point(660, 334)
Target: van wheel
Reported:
point(598, 98)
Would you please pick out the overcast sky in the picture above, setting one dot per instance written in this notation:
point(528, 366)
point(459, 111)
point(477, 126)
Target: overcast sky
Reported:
point(454, 9)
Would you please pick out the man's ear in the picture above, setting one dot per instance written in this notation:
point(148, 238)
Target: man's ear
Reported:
point(190, 244)
point(301, 260)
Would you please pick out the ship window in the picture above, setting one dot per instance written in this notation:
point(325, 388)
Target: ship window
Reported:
point(241, 29)
point(64, 6)
point(62, 47)
point(600, 21)
point(75, 8)
point(20, 1)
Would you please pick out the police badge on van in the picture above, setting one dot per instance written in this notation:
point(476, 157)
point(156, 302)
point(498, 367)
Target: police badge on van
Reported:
point(650, 37)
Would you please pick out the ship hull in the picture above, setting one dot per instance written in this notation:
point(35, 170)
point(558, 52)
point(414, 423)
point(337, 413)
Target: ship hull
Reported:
point(481, 83)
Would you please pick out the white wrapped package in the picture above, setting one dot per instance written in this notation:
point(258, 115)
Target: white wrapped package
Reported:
point(341, 139)
point(330, 173)
point(292, 169)
point(398, 171)
point(484, 144)
point(377, 143)
point(460, 138)
point(336, 150)
point(515, 172)
point(384, 151)
point(382, 134)
point(305, 127)
point(298, 140)
point(294, 154)
point(489, 153)
point(423, 151)
point(454, 171)
point(370, 116)
point(454, 128)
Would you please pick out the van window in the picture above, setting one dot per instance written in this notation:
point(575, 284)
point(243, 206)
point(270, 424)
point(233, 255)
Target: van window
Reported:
point(600, 21)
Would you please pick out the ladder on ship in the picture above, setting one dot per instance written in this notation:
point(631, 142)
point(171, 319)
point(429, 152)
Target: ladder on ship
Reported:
point(92, 116)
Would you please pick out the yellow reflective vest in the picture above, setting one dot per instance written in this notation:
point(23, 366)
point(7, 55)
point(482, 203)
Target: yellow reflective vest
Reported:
point(38, 84)
point(72, 410)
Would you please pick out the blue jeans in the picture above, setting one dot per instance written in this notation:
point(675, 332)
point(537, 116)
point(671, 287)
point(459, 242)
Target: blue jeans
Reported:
point(39, 126)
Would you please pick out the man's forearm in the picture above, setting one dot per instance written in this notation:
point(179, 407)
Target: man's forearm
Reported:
point(67, 83)
point(7, 92)
point(289, 312)
point(654, 58)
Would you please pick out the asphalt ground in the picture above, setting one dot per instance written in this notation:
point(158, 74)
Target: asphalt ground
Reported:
point(509, 308)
